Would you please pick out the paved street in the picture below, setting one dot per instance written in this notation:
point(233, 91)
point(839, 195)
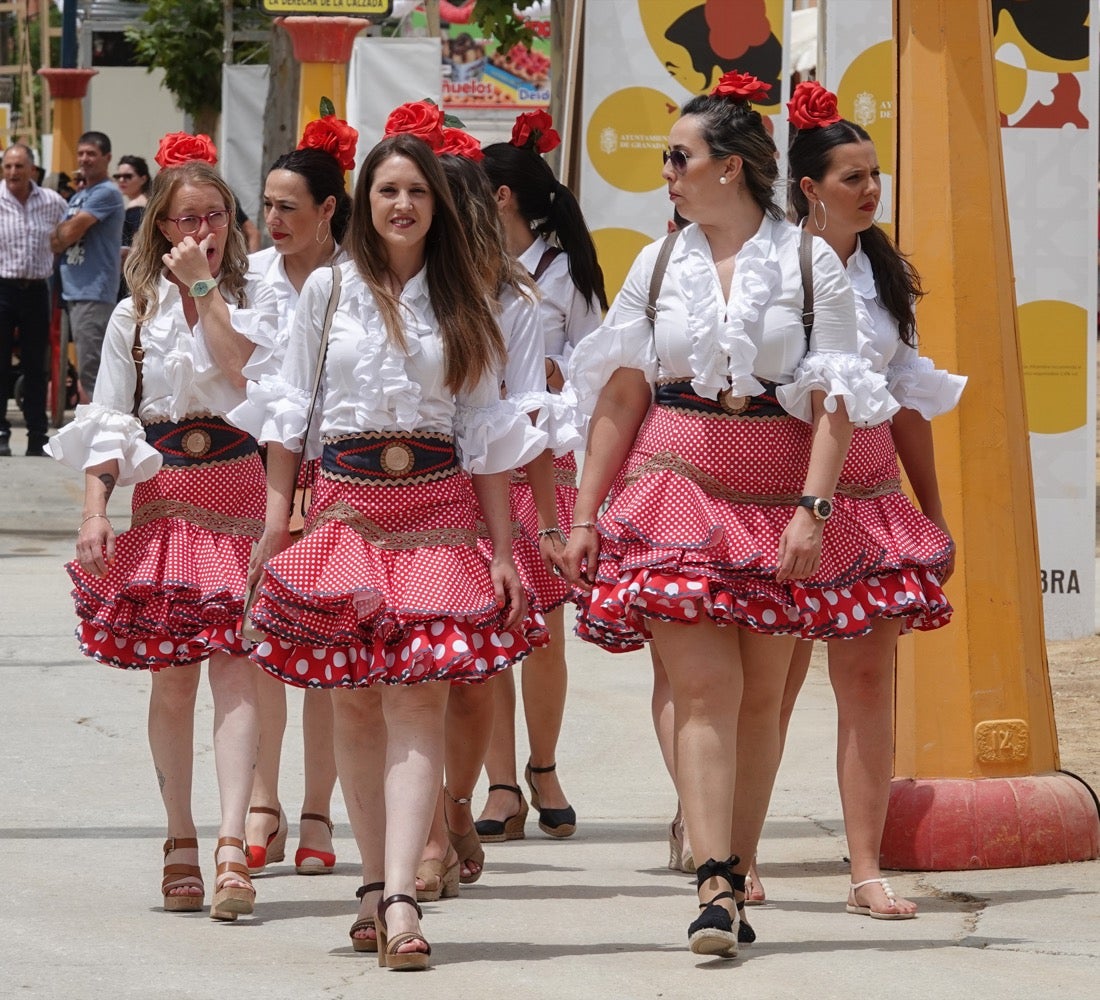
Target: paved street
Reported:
point(597, 916)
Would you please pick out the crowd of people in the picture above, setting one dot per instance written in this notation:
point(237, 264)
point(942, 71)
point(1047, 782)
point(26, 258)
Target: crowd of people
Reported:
point(411, 370)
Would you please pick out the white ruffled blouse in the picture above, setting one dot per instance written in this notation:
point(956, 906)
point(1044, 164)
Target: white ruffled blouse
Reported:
point(566, 317)
point(270, 267)
point(179, 379)
point(369, 384)
point(915, 382)
point(733, 344)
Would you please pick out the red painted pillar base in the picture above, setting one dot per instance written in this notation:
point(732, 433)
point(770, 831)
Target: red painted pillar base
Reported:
point(953, 824)
point(68, 88)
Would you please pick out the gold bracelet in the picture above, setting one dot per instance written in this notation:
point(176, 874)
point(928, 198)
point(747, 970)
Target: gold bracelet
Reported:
point(583, 524)
point(89, 517)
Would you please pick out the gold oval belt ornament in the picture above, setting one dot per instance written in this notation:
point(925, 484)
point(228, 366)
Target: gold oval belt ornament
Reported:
point(196, 443)
point(731, 403)
point(397, 459)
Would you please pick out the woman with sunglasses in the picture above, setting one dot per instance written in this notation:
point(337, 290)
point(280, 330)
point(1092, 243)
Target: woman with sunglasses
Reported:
point(169, 592)
point(728, 419)
point(132, 178)
point(546, 232)
point(306, 210)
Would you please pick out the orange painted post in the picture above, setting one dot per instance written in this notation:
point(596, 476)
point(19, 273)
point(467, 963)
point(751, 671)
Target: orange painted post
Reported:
point(322, 45)
point(68, 88)
point(976, 752)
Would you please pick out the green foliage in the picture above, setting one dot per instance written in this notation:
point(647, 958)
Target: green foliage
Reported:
point(498, 18)
point(327, 107)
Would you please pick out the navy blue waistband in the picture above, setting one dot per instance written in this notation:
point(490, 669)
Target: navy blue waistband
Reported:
point(199, 441)
point(382, 459)
point(681, 396)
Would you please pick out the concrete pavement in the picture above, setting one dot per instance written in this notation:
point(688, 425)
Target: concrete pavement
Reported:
point(596, 916)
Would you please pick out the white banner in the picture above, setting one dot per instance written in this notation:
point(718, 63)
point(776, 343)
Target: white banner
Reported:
point(241, 134)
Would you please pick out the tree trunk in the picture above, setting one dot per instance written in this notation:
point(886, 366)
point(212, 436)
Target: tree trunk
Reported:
point(281, 111)
point(206, 122)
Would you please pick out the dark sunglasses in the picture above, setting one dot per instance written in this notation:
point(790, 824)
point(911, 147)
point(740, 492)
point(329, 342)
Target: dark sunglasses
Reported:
point(123, 177)
point(677, 157)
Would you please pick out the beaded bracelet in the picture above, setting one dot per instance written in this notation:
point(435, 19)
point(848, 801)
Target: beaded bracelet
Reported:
point(547, 532)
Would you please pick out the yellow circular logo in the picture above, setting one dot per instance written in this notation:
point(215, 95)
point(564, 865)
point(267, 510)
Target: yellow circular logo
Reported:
point(626, 135)
point(616, 249)
point(1054, 345)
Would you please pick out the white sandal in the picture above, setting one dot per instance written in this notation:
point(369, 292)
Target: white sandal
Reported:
point(866, 911)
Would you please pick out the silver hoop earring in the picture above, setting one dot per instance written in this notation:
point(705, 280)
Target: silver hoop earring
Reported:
point(322, 240)
point(825, 213)
point(878, 213)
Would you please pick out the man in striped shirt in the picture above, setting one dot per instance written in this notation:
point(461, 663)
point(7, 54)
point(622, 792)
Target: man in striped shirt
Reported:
point(28, 215)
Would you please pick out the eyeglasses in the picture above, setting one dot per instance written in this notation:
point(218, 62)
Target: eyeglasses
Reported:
point(190, 224)
point(677, 157)
point(123, 177)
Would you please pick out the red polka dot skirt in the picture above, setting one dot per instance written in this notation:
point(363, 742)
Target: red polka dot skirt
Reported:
point(175, 591)
point(386, 586)
point(695, 531)
point(544, 590)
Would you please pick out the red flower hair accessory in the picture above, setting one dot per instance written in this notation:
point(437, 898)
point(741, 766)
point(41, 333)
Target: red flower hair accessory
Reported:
point(420, 118)
point(456, 142)
point(334, 136)
point(533, 130)
point(812, 106)
point(179, 147)
point(741, 87)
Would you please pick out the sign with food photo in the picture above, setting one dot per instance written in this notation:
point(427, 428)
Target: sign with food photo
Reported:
point(477, 72)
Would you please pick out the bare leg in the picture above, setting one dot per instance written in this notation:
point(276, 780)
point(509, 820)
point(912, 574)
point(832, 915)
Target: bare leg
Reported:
point(236, 734)
point(172, 740)
point(271, 699)
point(500, 759)
point(663, 724)
point(704, 669)
point(320, 769)
point(470, 722)
point(359, 732)
point(545, 680)
point(414, 716)
point(796, 677)
point(862, 673)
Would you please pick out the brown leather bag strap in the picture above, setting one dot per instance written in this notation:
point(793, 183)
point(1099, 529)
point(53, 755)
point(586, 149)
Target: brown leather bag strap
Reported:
point(549, 255)
point(322, 350)
point(137, 352)
point(658, 276)
point(806, 266)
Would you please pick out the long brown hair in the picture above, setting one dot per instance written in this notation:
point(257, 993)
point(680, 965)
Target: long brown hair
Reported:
point(145, 264)
point(472, 342)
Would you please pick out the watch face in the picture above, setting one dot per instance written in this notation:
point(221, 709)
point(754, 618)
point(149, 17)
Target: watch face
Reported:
point(822, 508)
point(200, 288)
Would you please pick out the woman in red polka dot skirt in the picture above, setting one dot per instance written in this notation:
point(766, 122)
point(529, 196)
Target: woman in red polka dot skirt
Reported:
point(385, 599)
point(169, 592)
point(835, 187)
point(729, 421)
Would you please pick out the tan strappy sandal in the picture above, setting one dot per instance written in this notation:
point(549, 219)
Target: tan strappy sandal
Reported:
point(388, 955)
point(181, 876)
point(362, 944)
point(230, 901)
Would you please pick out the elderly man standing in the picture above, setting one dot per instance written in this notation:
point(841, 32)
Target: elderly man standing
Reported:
point(28, 217)
point(89, 240)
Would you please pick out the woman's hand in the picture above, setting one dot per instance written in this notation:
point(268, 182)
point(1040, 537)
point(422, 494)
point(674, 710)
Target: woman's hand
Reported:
point(800, 547)
point(188, 262)
point(581, 557)
point(273, 541)
point(508, 591)
point(95, 545)
point(940, 523)
point(552, 549)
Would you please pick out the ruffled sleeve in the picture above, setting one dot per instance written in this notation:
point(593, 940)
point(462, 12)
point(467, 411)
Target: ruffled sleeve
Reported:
point(99, 434)
point(556, 416)
point(493, 434)
point(258, 322)
point(844, 378)
point(917, 384)
point(623, 340)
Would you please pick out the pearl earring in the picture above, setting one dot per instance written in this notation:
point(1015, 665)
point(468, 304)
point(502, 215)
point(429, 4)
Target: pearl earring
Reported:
point(723, 180)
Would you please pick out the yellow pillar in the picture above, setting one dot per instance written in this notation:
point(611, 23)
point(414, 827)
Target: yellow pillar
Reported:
point(68, 88)
point(322, 45)
point(976, 745)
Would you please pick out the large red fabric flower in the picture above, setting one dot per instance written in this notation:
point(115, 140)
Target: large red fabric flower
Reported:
point(533, 130)
point(460, 143)
point(812, 106)
point(420, 118)
point(179, 147)
point(334, 136)
point(741, 86)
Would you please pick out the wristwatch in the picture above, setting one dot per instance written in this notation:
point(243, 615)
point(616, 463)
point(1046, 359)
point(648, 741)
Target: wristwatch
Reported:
point(821, 508)
point(202, 287)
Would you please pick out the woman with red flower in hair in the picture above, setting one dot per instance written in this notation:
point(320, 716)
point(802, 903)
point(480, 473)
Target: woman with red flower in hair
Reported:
point(169, 592)
point(835, 191)
point(545, 231)
point(306, 211)
point(385, 599)
point(724, 398)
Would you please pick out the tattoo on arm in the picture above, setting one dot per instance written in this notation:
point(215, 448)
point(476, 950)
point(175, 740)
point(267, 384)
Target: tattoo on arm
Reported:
point(160, 778)
point(108, 482)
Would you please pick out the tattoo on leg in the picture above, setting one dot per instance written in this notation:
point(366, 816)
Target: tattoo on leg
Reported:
point(160, 778)
point(108, 482)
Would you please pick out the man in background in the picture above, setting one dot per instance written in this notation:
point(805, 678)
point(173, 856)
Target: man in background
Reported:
point(28, 216)
point(89, 240)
